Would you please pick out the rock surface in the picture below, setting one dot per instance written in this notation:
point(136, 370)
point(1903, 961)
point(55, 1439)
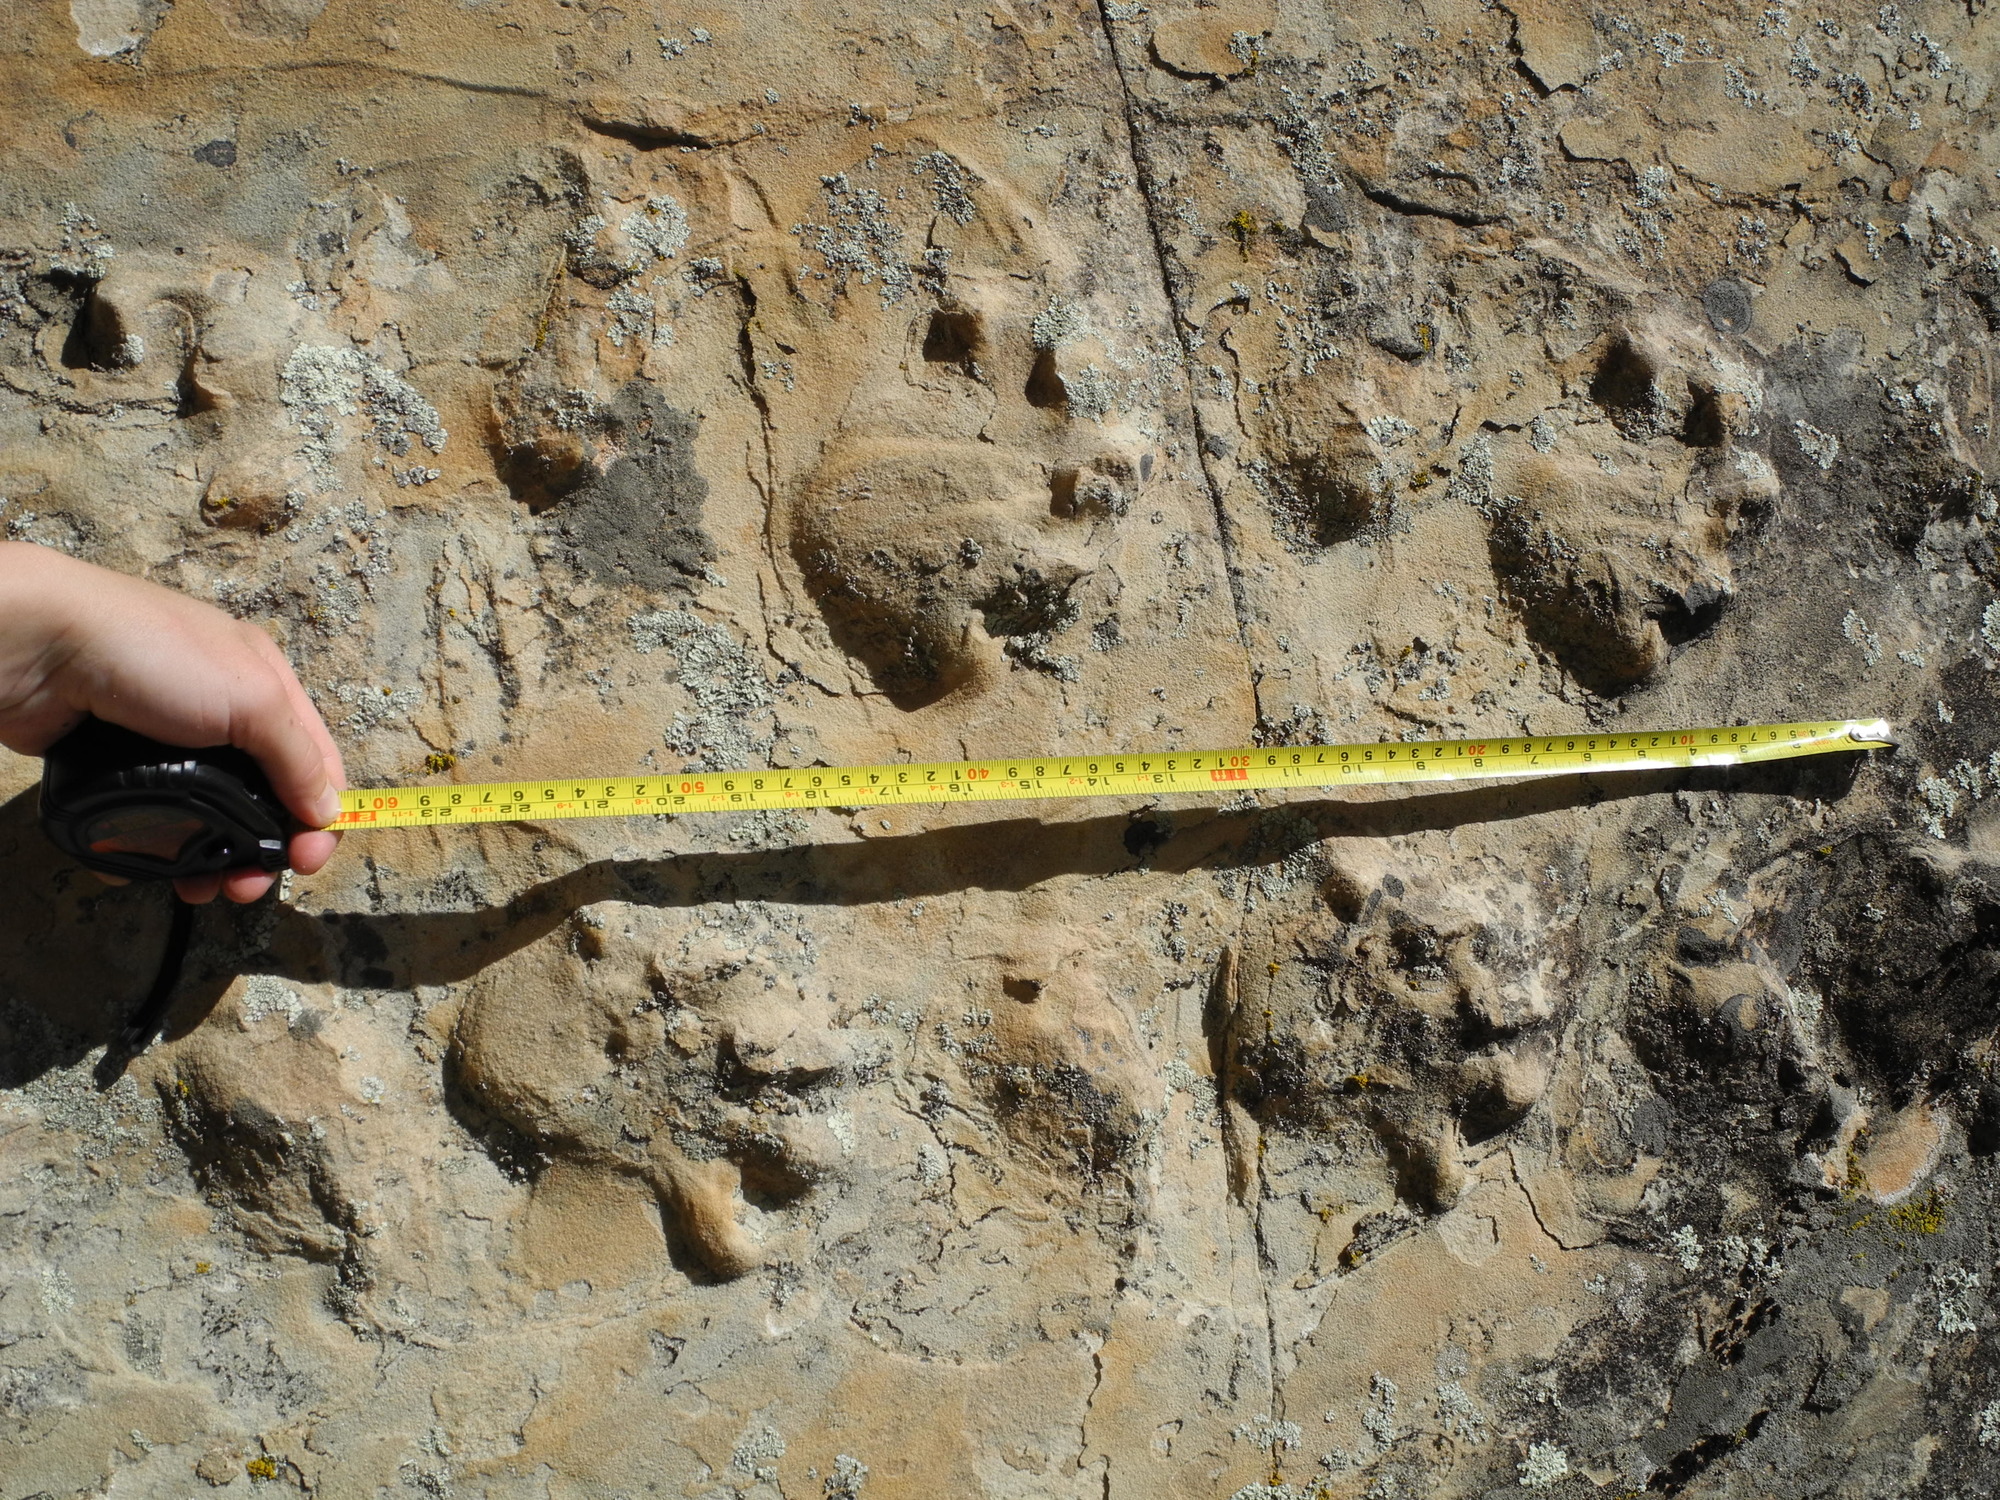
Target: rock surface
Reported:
point(574, 388)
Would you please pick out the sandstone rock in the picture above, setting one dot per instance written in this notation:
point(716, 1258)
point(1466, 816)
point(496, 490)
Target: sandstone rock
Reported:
point(576, 391)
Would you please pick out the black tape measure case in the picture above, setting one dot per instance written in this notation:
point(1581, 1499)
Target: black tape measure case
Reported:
point(127, 805)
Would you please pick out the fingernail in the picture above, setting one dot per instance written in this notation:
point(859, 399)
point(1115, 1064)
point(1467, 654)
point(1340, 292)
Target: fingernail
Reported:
point(326, 808)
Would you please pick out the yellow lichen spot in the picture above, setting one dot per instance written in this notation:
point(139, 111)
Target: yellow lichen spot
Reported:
point(262, 1468)
point(439, 761)
point(1856, 1183)
point(1426, 337)
point(1421, 480)
point(1243, 227)
point(202, 1268)
point(1924, 1216)
point(1274, 966)
point(1327, 1208)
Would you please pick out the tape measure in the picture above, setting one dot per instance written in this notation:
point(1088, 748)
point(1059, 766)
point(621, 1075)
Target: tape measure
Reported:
point(130, 806)
point(1037, 777)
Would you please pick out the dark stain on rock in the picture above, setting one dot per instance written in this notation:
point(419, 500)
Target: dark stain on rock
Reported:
point(1727, 303)
point(638, 519)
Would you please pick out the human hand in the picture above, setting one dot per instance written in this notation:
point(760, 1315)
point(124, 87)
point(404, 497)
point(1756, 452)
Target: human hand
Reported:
point(77, 639)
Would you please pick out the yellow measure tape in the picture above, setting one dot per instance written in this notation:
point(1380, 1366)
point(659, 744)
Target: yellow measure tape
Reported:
point(1032, 777)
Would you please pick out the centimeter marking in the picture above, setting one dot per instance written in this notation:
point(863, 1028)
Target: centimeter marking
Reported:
point(1034, 777)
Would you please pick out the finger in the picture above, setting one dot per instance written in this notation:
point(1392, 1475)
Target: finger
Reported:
point(303, 708)
point(110, 879)
point(263, 722)
point(198, 890)
point(311, 851)
point(244, 886)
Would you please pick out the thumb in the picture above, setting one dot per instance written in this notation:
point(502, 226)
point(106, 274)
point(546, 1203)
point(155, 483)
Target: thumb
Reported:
point(265, 721)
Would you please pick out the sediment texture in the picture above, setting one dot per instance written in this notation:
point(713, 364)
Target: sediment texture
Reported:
point(581, 389)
